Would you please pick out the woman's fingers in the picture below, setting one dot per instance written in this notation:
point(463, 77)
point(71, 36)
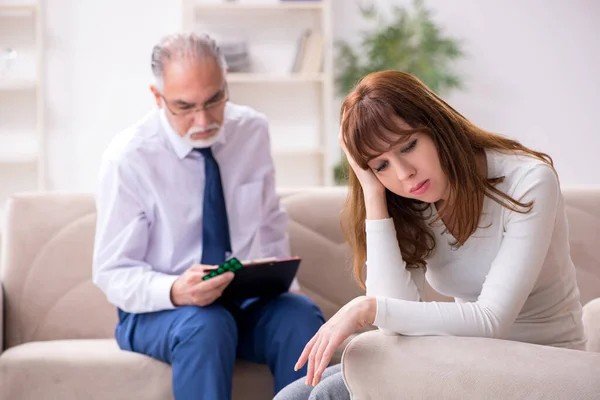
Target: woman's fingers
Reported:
point(304, 356)
point(325, 359)
point(316, 376)
point(311, 363)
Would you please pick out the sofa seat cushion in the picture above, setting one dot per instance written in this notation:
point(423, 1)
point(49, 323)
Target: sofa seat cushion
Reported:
point(98, 369)
point(76, 369)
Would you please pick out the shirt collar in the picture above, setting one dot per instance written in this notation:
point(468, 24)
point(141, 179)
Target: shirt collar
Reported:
point(180, 146)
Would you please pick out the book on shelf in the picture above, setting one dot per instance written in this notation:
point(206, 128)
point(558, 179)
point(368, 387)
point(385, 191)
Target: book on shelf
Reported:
point(300, 48)
point(309, 53)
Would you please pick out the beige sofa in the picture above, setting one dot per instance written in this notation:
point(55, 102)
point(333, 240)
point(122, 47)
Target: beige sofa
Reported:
point(58, 328)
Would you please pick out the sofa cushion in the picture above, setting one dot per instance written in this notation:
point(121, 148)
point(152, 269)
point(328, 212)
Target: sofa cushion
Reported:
point(75, 369)
point(98, 369)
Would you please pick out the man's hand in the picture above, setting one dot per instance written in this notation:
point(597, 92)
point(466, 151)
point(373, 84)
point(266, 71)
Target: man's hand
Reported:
point(190, 289)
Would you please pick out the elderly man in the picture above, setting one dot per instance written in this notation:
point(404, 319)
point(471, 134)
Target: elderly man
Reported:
point(188, 186)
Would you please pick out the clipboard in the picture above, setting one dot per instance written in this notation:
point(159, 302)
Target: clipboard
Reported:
point(262, 279)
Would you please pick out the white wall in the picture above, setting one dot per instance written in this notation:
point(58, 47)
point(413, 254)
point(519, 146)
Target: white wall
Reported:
point(98, 74)
point(532, 74)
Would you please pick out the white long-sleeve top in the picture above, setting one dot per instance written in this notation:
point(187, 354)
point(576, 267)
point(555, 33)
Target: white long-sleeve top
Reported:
point(512, 279)
point(149, 202)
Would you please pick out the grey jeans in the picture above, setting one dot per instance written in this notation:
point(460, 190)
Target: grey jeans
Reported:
point(331, 387)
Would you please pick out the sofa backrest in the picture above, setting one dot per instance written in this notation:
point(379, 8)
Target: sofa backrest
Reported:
point(46, 270)
point(47, 255)
point(47, 252)
point(582, 205)
point(315, 234)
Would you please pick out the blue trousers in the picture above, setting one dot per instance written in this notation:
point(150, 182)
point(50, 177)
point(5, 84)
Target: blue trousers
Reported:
point(202, 343)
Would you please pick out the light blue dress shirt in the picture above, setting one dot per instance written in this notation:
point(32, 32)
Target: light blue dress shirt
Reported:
point(149, 203)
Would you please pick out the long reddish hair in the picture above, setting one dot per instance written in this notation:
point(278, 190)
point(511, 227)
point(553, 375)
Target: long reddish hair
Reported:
point(369, 113)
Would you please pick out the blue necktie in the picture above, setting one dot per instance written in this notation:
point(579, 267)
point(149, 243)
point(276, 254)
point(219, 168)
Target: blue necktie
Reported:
point(215, 227)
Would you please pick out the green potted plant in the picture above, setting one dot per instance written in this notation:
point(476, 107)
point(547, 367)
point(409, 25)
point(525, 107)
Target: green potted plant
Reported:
point(407, 40)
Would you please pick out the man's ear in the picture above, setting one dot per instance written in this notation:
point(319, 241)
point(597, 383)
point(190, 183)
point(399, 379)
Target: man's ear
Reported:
point(157, 96)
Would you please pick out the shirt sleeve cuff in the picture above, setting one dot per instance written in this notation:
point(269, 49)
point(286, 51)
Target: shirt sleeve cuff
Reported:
point(295, 286)
point(381, 316)
point(160, 291)
point(379, 225)
point(381, 311)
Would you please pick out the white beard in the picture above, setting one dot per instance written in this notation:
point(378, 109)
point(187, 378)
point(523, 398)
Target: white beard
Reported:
point(203, 143)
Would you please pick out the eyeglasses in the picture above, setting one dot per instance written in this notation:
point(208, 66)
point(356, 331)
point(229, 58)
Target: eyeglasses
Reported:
point(211, 107)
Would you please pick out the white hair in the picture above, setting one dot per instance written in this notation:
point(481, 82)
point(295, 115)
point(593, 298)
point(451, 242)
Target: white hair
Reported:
point(189, 46)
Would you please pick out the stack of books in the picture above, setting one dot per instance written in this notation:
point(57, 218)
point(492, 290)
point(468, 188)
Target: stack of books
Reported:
point(236, 55)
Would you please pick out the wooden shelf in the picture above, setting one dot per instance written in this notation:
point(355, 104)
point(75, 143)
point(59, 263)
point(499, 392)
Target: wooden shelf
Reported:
point(2, 218)
point(282, 5)
point(232, 19)
point(18, 148)
point(17, 10)
point(290, 152)
point(17, 84)
point(273, 78)
point(22, 139)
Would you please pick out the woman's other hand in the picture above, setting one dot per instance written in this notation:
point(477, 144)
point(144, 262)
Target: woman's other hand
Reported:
point(318, 352)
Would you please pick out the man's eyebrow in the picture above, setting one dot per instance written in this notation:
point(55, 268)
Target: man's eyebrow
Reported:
point(182, 103)
point(214, 96)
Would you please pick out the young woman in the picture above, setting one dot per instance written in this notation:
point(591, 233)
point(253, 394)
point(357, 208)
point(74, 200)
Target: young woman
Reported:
point(432, 196)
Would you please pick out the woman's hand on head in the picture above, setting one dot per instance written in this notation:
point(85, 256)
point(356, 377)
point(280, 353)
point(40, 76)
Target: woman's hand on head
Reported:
point(371, 186)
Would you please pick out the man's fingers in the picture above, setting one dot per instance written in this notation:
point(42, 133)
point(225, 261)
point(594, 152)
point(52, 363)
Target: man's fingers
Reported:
point(193, 277)
point(217, 281)
point(206, 292)
point(219, 289)
point(206, 297)
point(202, 267)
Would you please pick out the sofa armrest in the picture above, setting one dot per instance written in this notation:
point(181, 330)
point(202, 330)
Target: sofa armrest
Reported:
point(376, 366)
point(591, 324)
